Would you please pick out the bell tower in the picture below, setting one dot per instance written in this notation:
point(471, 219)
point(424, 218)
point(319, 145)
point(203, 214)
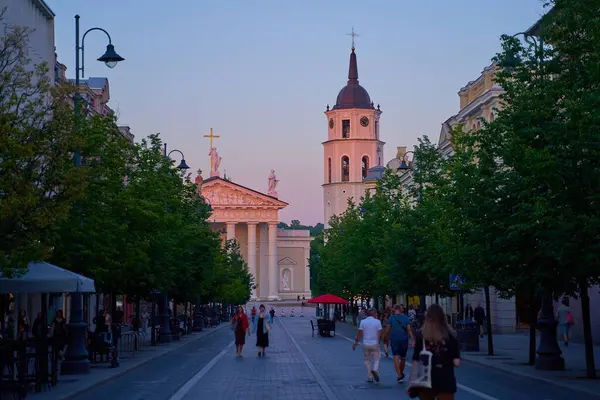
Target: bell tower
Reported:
point(352, 145)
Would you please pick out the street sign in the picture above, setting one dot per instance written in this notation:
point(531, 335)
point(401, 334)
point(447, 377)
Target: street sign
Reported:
point(456, 282)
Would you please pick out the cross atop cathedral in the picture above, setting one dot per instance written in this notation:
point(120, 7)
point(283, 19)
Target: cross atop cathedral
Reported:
point(211, 137)
point(353, 34)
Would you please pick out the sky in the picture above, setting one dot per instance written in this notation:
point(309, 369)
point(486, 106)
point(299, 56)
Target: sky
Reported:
point(260, 73)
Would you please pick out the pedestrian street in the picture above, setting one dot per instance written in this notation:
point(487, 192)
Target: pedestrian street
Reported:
point(297, 366)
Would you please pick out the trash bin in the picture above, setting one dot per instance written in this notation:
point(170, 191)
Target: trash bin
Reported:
point(467, 335)
point(175, 330)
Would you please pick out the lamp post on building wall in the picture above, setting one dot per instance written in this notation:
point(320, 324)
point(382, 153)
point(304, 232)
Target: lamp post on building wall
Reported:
point(76, 356)
point(549, 353)
point(407, 166)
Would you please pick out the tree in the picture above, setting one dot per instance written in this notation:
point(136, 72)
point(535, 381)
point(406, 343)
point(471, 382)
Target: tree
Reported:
point(551, 134)
point(37, 179)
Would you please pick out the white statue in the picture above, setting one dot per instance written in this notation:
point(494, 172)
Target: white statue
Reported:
point(272, 184)
point(215, 162)
point(285, 279)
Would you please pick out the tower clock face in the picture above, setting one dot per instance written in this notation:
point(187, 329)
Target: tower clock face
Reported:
point(364, 121)
point(331, 123)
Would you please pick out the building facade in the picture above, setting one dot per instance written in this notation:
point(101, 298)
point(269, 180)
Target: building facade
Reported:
point(276, 258)
point(39, 18)
point(352, 146)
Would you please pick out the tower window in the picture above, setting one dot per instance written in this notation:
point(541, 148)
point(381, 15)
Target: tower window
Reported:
point(377, 130)
point(346, 128)
point(329, 170)
point(345, 169)
point(365, 166)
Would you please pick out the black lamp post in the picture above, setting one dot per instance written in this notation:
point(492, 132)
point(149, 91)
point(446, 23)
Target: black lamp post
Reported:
point(165, 334)
point(76, 356)
point(406, 166)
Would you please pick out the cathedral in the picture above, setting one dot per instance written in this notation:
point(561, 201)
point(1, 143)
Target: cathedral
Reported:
point(353, 150)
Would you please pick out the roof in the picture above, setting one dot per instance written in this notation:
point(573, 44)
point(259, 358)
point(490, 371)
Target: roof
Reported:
point(375, 173)
point(43, 8)
point(353, 95)
point(218, 178)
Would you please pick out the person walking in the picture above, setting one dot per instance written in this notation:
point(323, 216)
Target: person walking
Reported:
point(370, 330)
point(399, 330)
point(386, 332)
point(239, 324)
point(479, 316)
point(565, 320)
point(438, 337)
point(262, 328)
point(469, 313)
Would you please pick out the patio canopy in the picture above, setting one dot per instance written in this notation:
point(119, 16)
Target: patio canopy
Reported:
point(328, 299)
point(42, 277)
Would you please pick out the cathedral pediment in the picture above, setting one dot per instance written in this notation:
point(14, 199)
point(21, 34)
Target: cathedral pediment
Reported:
point(287, 261)
point(221, 193)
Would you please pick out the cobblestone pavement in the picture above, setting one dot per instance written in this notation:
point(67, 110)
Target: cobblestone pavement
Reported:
point(297, 366)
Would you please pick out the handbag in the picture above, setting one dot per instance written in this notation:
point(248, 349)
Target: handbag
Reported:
point(570, 320)
point(420, 375)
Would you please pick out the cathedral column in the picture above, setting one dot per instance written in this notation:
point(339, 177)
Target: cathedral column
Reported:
point(252, 254)
point(306, 269)
point(263, 286)
point(273, 269)
point(230, 227)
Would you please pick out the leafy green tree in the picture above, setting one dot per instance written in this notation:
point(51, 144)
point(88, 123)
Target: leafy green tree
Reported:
point(551, 150)
point(37, 178)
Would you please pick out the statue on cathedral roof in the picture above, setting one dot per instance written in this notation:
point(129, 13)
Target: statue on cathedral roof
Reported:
point(198, 180)
point(215, 162)
point(272, 184)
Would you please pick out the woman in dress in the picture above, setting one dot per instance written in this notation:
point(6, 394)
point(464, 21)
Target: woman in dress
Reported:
point(239, 323)
point(59, 332)
point(439, 338)
point(262, 328)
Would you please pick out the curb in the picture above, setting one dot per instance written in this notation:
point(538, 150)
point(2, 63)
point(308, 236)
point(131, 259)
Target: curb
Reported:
point(130, 368)
point(529, 376)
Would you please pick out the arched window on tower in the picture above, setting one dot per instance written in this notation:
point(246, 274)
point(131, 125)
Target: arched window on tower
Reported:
point(365, 166)
point(329, 170)
point(345, 169)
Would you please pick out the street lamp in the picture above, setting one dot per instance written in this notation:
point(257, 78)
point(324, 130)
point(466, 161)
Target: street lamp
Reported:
point(405, 167)
point(182, 165)
point(549, 353)
point(76, 356)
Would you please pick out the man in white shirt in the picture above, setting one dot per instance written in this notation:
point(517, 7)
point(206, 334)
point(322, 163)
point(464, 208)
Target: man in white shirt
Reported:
point(370, 329)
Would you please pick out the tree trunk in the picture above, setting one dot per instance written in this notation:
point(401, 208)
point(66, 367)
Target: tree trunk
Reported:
point(488, 321)
point(587, 329)
point(532, 332)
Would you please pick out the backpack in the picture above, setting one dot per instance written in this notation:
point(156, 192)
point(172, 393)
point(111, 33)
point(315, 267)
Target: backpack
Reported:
point(570, 320)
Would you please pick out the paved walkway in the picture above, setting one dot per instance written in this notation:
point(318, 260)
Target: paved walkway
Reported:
point(297, 367)
point(511, 355)
point(72, 386)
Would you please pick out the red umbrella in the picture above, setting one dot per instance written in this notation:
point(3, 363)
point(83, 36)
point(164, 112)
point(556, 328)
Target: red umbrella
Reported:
point(328, 299)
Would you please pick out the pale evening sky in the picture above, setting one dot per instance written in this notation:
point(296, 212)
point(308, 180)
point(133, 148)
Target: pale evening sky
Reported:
point(260, 73)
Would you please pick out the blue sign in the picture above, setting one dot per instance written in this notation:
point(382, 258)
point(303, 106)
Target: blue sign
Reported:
point(456, 282)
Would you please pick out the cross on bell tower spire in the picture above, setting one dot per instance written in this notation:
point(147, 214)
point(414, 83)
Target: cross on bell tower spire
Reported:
point(354, 35)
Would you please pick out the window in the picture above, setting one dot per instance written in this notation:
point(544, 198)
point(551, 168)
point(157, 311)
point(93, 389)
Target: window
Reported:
point(346, 128)
point(491, 116)
point(377, 130)
point(329, 170)
point(365, 166)
point(345, 169)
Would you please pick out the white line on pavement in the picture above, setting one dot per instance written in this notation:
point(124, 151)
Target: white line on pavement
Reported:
point(460, 386)
point(189, 385)
point(324, 387)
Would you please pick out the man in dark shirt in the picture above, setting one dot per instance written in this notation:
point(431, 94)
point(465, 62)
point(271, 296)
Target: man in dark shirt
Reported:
point(479, 316)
